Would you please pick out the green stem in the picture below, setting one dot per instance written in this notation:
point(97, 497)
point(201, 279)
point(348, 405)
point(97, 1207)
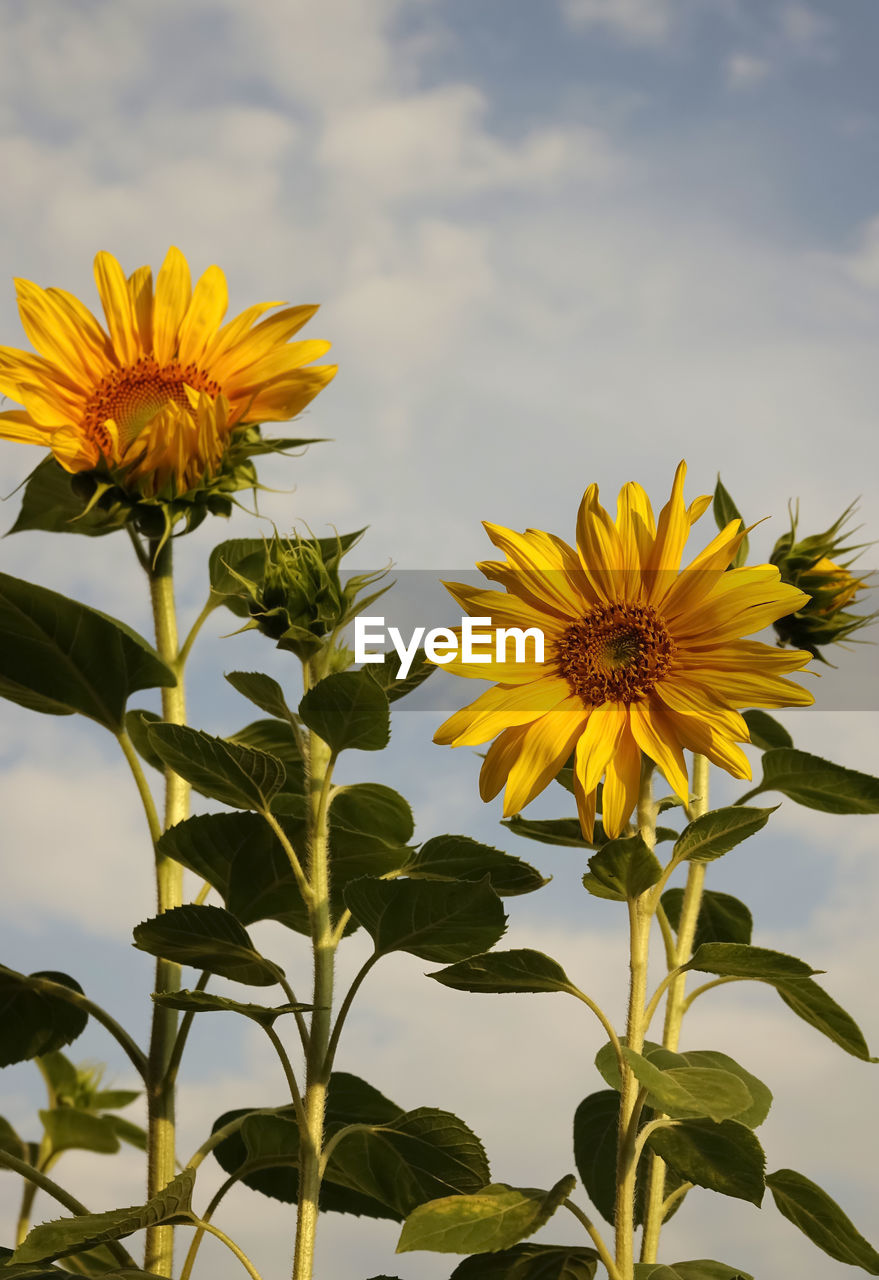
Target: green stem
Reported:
point(320, 767)
point(190, 640)
point(345, 1006)
point(143, 787)
point(161, 1166)
point(639, 940)
point(289, 1073)
point(676, 1002)
point(27, 1171)
point(182, 1035)
point(595, 1237)
point(242, 1257)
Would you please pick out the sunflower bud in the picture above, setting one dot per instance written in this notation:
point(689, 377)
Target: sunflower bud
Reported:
point(294, 594)
point(817, 566)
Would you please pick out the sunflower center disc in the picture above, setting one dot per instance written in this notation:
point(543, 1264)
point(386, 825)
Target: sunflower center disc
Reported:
point(616, 654)
point(132, 397)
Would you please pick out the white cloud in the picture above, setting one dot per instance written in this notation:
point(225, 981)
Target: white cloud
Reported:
point(642, 21)
point(744, 70)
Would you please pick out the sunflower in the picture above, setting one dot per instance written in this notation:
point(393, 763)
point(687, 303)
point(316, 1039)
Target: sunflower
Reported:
point(639, 655)
point(153, 403)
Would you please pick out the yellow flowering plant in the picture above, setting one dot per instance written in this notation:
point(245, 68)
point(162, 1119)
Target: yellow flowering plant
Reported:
point(152, 424)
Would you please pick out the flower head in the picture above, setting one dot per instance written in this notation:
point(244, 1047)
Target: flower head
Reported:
point(640, 656)
point(163, 403)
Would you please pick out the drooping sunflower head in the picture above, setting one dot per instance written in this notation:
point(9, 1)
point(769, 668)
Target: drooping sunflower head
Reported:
point(641, 658)
point(164, 405)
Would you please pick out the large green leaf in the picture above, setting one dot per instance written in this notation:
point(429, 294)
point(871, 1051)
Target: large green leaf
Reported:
point(59, 656)
point(34, 1018)
point(622, 869)
point(69, 1129)
point(263, 691)
point(722, 918)
point(820, 1218)
point(731, 960)
point(430, 919)
point(51, 503)
point(659, 1056)
point(495, 1218)
point(530, 1262)
point(817, 783)
point(812, 1003)
point(522, 970)
point(691, 1092)
point(278, 739)
point(368, 815)
point(723, 1157)
point(348, 710)
point(715, 833)
point(460, 858)
point(596, 1128)
point(72, 1235)
point(236, 775)
point(206, 938)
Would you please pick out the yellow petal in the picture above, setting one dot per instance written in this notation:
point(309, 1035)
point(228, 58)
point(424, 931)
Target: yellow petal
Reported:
point(116, 301)
point(622, 782)
point(203, 317)
point(284, 399)
point(672, 531)
point(585, 809)
point(140, 291)
point(598, 742)
point(499, 761)
point(501, 708)
point(601, 552)
point(539, 569)
point(45, 322)
point(269, 333)
point(19, 426)
point(703, 573)
point(544, 747)
point(173, 294)
point(277, 364)
point(654, 732)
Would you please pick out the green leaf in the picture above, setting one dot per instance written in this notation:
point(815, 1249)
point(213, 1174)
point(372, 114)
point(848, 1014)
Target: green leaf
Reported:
point(430, 919)
point(416, 1157)
point(71, 1235)
point(59, 656)
point(125, 1131)
point(386, 674)
point(262, 691)
point(206, 938)
point(206, 1002)
point(236, 775)
point(724, 1157)
point(622, 870)
point(366, 816)
point(808, 1207)
point(725, 510)
point(11, 1142)
point(502, 971)
point(731, 960)
point(817, 783)
point(753, 1116)
point(766, 732)
point(685, 1092)
point(460, 858)
point(698, 1269)
point(531, 1262)
point(722, 918)
point(494, 1218)
point(50, 503)
point(35, 1019)
point(596, 1126)
point(563, 831)
point(715, 833)
point(812, 1003)
point(71, 1129)
point(278, 739)
point(348, 710)
point(114, 1099)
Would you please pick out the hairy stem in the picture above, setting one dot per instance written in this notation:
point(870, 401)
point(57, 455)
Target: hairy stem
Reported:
point(676, 1003)
point(317, 1065)
point(159, 1254)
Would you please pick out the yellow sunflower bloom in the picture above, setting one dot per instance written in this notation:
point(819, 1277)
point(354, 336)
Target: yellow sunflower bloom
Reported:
point(640, 656)
point(153, 402)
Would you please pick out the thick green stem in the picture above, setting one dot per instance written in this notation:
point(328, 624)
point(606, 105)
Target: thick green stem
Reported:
point(159, 1255)
point(676, 1002)
point(639, 940)
point(317, 1069)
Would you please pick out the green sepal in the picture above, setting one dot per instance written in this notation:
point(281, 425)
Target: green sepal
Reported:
point(725, 510)
point(820, 1218)
point(430, 919)
point(36, 1020)
point(495, 1218)
point(206, 938)
point(58, 1239)
point(51, 503)
point(59, 656)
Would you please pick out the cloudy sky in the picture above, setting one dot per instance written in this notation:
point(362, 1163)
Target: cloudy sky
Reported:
point(555, 242)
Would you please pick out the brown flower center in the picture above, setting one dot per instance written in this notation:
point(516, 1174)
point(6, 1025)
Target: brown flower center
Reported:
point(133, 396)
point(616, 653)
